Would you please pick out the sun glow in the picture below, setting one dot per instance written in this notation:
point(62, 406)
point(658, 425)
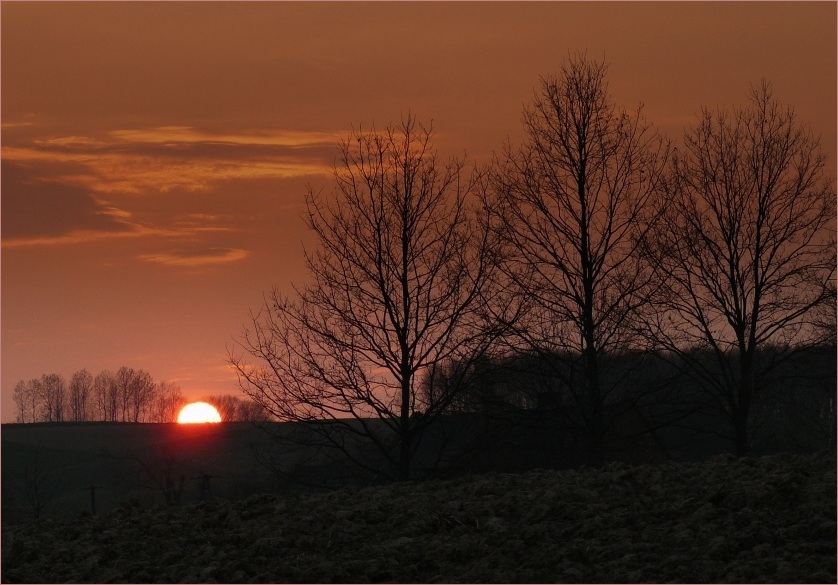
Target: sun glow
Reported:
point(198, 412)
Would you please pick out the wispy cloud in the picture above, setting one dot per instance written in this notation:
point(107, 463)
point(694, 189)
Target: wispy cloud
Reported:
point(78, 142)
point(10, 125)
point(189, 135)
point(91, 188)
point(177, 157)
point(78, 237)
point(131, 231)
point(24, 121)
point(40, 211)
point(197, 258)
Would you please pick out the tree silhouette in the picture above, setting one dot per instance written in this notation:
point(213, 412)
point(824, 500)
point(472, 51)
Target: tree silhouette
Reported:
point(81, 387)
point(396, 288)
point(106, 396)
point(128, 396)
point(27, 400)
point(167, 402)
point(746, 250)
point(53, 393)
point(574, 203)
point(236, 409)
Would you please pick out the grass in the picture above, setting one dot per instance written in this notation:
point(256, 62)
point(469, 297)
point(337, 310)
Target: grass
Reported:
point(768, 519)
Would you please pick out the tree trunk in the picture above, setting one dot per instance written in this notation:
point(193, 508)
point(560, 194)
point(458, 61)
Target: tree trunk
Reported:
point(594, 449)
point(405, 430)
point(740, 419)
point(743, 408)
point(404, 455)
point(741, 432)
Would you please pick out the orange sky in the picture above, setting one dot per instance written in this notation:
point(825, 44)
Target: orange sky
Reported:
point(155, 155)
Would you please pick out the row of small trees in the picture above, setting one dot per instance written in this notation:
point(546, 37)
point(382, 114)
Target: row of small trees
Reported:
point(234, 408)
point(595, 236)
point(127, 395)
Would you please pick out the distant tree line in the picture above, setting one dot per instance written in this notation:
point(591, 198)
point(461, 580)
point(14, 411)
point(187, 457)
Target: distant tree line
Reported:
point(234, 408)
point(795, 408)
point(127, 395)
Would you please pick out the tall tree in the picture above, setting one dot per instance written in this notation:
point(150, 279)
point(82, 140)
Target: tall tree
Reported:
point(396, 288)
point(81, 389)
point(574, 202)
point(53, 391)
point(141, 390)
point(27, 397)
point(167, 402)
point(106, 396)
point(746, 250)
point(124, 379)
point(236, 409)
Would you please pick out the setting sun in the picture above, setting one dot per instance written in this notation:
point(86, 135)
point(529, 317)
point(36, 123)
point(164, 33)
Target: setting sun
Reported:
point(198, 412)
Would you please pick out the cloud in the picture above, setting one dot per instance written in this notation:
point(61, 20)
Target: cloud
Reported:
point(39, 210)
point(75, 188)
point(129, 231)
point(79, 142)
point(82, 237)
point(26, 121)
point(177, 157)
point(197, 258)
point(10, 125)
point(112, 172)
point(189, 135)
point(36, 207)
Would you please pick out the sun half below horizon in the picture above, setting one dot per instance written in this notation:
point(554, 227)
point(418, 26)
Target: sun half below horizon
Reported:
point(198, 412)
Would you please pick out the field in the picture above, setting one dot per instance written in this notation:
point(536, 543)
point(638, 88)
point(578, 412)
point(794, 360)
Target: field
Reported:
point(127, 462)
point(768, 519)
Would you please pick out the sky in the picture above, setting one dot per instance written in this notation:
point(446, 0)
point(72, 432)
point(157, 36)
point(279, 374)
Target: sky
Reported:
point(155, 155)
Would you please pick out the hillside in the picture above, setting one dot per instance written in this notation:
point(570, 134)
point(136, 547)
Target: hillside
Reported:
point(769, 519)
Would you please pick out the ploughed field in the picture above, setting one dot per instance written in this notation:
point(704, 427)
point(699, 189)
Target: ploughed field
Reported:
point(769, 519)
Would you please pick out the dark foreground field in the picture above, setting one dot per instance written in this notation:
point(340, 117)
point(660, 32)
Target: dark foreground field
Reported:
point(768, 519)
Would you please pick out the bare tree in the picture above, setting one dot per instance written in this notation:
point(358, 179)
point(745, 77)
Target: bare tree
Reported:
point(53, 392)
point(27, 397)
point(135, 391)
point(574, 203)
point(746, 250)
point(124, 378)
point(106, 396)
point(21, 398)
point(235, 409)
point(167, 401)
point(128, 396)
point(81, 389)
point(251, 411)
point(226, 405)
point(141, 395)
point(825, 319)
point(396, 288)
